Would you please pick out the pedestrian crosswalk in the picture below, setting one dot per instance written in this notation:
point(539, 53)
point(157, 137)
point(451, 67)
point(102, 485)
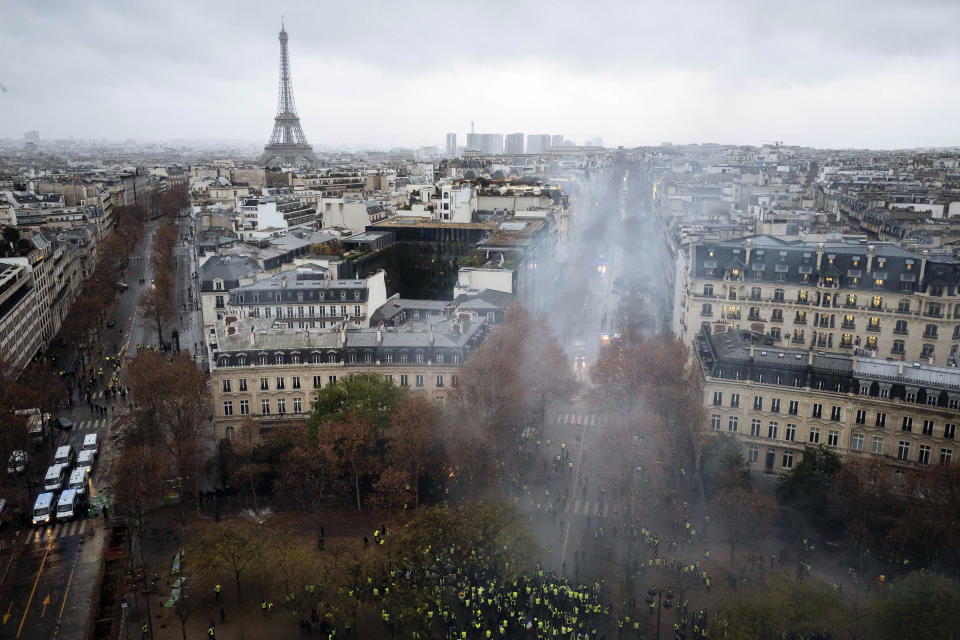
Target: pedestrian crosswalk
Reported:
point(58, 530)
point(586, 419)
point(92, 425)
point(584, 508)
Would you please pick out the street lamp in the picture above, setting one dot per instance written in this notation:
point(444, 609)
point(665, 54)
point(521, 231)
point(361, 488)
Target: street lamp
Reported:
point(659, 599)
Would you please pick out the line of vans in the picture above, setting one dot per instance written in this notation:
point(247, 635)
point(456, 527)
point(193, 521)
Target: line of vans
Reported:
point(74, 484)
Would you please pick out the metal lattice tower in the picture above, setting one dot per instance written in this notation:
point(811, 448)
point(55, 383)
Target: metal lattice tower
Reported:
point(288, 145)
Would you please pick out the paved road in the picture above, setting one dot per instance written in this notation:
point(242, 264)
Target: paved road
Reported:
point(50, 584)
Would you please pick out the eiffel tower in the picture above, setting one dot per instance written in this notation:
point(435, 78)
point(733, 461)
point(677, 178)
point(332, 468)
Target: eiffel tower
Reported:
point(288, 146)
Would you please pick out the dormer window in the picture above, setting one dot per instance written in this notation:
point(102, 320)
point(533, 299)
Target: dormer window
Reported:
point(909, 265)
point(218, 285)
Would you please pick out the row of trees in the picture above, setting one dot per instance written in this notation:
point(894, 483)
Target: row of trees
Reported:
point(157, 302)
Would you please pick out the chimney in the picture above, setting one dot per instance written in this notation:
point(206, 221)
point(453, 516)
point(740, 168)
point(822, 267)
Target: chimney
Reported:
point(752, 349)
point(856, 358)
point(810, 356)
point(900, 367)
point(870, 252)
point(253, 335)
point(283, 282)
point(747, 248)
point(431, 335)
point(923, 268)
point(819, 254)
point(380, 332)
point(343, 334)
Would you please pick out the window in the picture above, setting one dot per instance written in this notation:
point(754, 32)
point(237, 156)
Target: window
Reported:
point(945, 456)
point(281, 405)
point(815, 435)
point(226, 386)
point(264, 384)
point(903, 306)
point(928, 427)
point(833, 437)
point(835, 414)
point(243, 384)
point(331, 379)
point(296, 382)
point(228, 408)
point(898, 346)
point(735, 400)
point(794, 408)
point(733, 423)
point(758, 403)
point(901, 327)
point(926, 351)
point(388, 358)
point(817, 410)
point(715, 422)
point(439, 381)
point(263, 360)
point(280, 384)
point(930, 332)
point(775, 405)
point(403, 358)
point(219, 302)
point(708, 289)
point(857, 443)
point(265, 407)
point(403, 380)
point(755, 293)
point(439, 358)
point(776, 315)
point(755, 428)
point(924, 456)
point(791, 432)
point(907, 424)
point(279, 312)
point(706, 309)
point(753, 453)
point(356, 311)
point(903, 450)
point(316, 382)
point(877, 445)
point(244, 407)
point(787, 459)
point(949, 431)
point(772, 430)
point(419, 380)
point(419, 358)
point(717, 398)
point(778, 295)
point(881, 419)
point(454, 381)
point(861, 416)
point(298, 405)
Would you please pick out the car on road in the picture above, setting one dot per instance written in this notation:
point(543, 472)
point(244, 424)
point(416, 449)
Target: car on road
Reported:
point(17, 463)
point(55, 476)
point(65, 455)
point(42, 509)
point(64, 423)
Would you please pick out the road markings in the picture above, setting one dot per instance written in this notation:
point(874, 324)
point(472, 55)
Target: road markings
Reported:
point(66, 593)
point(46, 601)
point(35, 582)
point(6, 616)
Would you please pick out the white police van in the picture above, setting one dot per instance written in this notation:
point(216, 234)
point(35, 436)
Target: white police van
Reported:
point(67, 505)
point(42, 509)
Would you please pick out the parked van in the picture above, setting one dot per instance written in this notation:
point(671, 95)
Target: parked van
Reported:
point(78, 480)
point(86, 459)
point(56, 474)
point(42, 509)
point(67, 505)
point(90, 444)
point(65, 455)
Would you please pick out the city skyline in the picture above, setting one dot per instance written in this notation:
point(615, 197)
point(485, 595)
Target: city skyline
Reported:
point(883, 79)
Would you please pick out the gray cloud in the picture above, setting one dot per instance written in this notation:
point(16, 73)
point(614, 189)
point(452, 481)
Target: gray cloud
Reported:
point(405, 73)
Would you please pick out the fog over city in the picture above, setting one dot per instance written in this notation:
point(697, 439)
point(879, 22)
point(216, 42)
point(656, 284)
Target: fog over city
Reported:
point(877, 74)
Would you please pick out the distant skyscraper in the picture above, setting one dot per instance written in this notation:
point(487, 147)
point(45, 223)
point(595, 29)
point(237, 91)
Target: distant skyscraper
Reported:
point(451, 145)
point(31, 136)
point(594, 142)
point(537, 144)
point(474, 142)
point(514, 144)
point(287, 143)
point(492, 144)
point(556, 141)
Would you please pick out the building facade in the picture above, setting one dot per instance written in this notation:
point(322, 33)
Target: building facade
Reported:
point(838, 297)
point(514, 144)
point(20, 336)
point(777, 401)
point(273, 375)
point(451, 145)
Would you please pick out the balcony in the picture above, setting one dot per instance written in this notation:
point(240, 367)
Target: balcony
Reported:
point(901, 332)
point(754, 317)
point(897, 351)
point(929, 335)
point(932, 314)
point(846, 345)
point(799, 320)
point(848, 325)
point(776, 318)
point(873, 328)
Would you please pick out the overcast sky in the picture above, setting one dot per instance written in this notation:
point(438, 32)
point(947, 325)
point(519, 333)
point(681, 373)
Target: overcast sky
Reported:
point(832, 74)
